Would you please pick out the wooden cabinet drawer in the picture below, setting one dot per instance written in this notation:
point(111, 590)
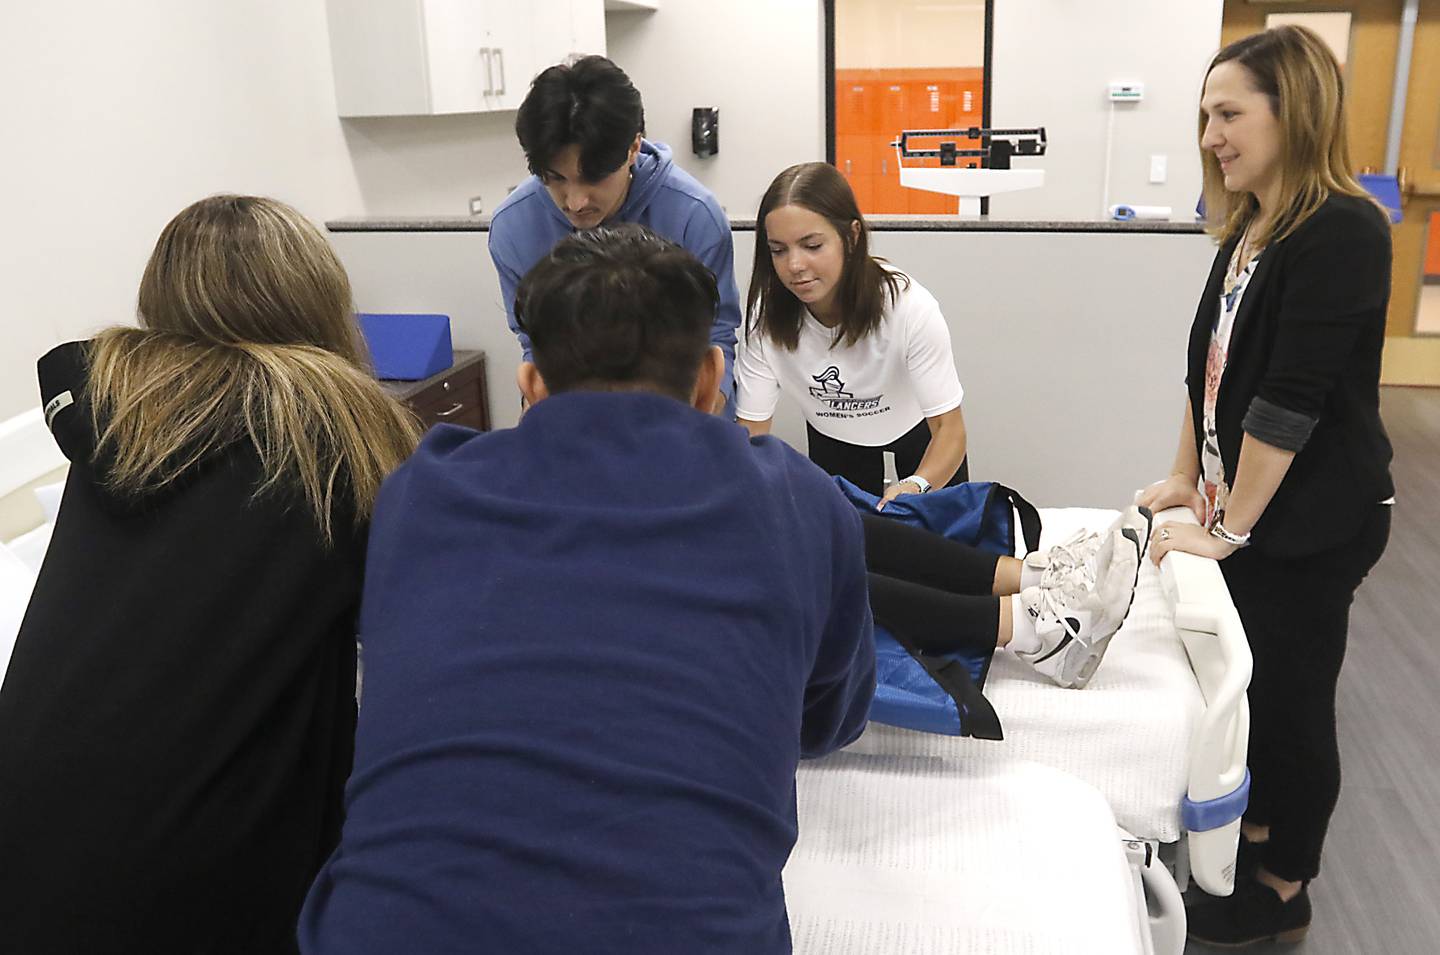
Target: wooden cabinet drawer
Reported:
point(457, 395)
point(461, 404)
point(442, 386)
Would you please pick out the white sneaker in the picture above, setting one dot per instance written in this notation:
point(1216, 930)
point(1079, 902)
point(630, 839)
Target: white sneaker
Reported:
point(1078, 551)
point(1076, 608)
point(1083, 546)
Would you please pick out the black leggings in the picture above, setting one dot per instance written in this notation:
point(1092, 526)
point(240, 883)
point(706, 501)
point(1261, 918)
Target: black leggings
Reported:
point(1296, 614)
point(933, 591)
point(864, 466)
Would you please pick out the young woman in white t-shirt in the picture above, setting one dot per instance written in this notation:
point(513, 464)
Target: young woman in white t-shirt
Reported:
point(866, 352)
point(862, 347)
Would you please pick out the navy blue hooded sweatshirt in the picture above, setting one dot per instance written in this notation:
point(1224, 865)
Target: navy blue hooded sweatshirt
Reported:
point(665, 199)
point(595, 648)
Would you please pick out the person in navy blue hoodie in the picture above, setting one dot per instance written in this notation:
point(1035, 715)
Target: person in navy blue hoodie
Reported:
point(582, 129)
point(596, 646)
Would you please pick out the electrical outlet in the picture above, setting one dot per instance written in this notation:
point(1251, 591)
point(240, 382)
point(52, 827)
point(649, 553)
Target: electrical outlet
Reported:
point(1157, 168)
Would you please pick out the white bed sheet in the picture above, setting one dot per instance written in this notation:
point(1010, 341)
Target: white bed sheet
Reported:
point(899, 854)
point(1127, 734)
point(30, 547)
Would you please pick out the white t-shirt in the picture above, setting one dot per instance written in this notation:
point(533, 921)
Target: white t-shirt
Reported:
point(869, 393)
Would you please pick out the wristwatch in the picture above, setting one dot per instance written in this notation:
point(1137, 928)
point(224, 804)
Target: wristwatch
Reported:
point(918, 481)
point(1218, 530)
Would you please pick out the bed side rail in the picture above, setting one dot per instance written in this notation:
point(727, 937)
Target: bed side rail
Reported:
point(1219, 653)
point(27, 451)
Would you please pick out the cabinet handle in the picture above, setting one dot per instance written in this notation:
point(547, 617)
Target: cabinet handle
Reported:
point(500, 55)
point(453, 409)
point(884, 167)
point(847, 167)
point(489, 78)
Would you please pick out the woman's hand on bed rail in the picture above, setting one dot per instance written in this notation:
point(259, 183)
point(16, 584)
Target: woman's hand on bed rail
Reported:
point(1177, 490)
point(1189, 538)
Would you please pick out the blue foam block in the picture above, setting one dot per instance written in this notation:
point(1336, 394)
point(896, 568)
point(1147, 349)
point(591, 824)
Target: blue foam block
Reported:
point(407, 347)
point(1387, 190)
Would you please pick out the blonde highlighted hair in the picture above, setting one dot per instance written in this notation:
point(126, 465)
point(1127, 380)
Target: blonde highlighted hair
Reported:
point(1301, 78)
point(247, 334)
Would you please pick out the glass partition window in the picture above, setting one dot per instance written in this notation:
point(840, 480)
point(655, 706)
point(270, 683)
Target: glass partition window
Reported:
point(903, 64)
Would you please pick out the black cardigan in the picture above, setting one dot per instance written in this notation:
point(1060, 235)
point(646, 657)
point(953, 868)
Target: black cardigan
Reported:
point(1303, 373)
point(177, 722)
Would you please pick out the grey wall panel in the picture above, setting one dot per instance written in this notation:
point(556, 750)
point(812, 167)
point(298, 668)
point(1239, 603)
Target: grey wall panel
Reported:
point(1070, 346)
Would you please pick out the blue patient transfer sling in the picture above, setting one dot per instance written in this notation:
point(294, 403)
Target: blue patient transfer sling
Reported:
point(934, 692)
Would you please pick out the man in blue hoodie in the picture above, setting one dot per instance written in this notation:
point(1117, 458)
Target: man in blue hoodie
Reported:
point(582, 129)
point(596, 647)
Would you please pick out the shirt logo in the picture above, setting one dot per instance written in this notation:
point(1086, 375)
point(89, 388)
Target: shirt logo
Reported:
point(831, 392)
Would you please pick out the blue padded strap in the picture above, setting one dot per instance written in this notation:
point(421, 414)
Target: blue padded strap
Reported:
point(1214, 813)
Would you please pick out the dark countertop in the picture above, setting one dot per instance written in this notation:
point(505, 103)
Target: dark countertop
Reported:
point(877, 224)
point(404, 390)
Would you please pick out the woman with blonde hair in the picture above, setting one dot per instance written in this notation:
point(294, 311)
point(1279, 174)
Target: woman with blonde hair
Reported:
point(1282, 454)
point(176, 724)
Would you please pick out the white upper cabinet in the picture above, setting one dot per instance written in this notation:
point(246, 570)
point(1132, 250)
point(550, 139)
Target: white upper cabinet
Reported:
point(428, 57)
point(567, 28)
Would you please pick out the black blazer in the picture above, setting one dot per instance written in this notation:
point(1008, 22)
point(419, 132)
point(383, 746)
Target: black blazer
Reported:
point(1305, 355)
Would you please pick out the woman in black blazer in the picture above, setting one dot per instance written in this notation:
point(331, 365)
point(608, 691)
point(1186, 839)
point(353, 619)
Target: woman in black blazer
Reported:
point(1282, 453)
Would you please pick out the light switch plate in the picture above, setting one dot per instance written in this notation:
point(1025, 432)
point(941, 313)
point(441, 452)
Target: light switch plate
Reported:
point(1157, 168)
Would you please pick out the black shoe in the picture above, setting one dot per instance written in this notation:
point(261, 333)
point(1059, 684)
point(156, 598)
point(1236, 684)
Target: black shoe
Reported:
point(1253, 914)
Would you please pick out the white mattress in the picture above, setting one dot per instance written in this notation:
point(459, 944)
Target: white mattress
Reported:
point(898, 854)
point(1127, 734)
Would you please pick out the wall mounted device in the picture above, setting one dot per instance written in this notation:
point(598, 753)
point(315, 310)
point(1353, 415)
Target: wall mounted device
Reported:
point(705, 130)
point(1127, 92)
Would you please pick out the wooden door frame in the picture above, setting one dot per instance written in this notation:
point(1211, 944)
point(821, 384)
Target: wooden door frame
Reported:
point(1409, 358)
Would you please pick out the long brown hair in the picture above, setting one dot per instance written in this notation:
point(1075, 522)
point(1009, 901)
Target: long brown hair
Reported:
point(1300, 77)
point(866, 284)
point(247, 333)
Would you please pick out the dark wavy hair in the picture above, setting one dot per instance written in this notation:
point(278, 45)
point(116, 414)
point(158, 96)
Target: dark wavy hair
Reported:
point(867, 285)
point(613, 309)
point(590, 102)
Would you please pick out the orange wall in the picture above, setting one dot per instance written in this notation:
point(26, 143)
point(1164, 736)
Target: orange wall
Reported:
point(872, 107)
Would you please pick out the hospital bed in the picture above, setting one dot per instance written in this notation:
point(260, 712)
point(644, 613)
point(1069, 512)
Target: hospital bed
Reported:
point(902, 854)
point(914, 842)
point(29, 460)
point(1160, 734)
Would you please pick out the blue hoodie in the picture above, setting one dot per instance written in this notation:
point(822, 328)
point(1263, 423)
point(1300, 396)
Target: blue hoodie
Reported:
point(665, 199)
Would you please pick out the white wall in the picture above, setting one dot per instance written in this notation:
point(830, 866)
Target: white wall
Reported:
point(116, 116)
point(1052, 63)
point(762, 62)
point(433, 165)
